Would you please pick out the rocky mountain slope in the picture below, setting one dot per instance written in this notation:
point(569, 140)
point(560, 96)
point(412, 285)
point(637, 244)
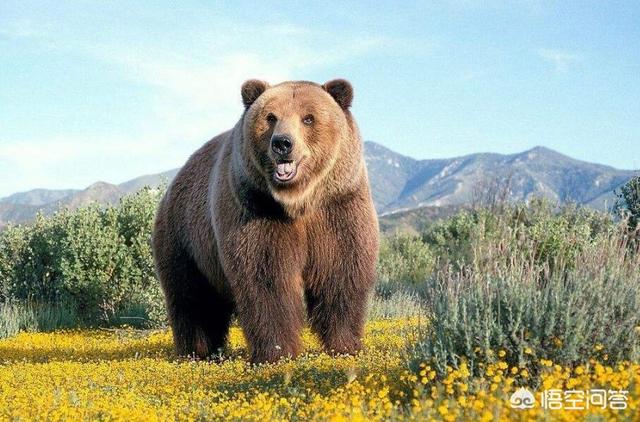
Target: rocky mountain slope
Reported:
point(398, 182)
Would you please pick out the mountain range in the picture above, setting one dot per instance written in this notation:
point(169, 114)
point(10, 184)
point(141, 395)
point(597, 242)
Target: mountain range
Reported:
point(398, 182)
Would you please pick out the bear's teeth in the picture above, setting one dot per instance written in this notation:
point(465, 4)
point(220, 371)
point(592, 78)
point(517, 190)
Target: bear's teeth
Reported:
point(284, 168)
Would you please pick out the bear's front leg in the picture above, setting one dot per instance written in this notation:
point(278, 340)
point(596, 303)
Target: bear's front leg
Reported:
point(340, 278)
point(271, 312)
point(338, 314)
point(264, 263)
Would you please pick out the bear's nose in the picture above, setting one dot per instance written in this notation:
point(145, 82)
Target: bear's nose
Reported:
point(281, 144)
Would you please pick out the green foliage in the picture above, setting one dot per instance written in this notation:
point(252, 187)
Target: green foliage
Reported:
point(628, 202)
point(16, 317)
point(399, 304)
point(476, 240)
point(451, 238)
point(404, 259)
point(553, 286)
point(96, 258)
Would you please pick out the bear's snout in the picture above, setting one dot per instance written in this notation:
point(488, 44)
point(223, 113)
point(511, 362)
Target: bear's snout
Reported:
point(286, 164)
point(282, 145)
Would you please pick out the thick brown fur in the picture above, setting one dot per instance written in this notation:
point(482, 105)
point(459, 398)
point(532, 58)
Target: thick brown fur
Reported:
point(229, 238)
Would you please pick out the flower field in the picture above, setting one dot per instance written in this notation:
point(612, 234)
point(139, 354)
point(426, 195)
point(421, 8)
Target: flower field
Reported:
point(134, 375)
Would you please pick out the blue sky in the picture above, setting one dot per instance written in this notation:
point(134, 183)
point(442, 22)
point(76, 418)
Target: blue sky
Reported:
point(109, 90)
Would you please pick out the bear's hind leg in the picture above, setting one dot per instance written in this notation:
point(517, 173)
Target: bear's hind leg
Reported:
point(199, 315)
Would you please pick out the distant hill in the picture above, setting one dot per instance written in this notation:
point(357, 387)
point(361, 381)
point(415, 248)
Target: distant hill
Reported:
point(23, 207)
point(37, 197)
point(398, 183)
point(415, 220)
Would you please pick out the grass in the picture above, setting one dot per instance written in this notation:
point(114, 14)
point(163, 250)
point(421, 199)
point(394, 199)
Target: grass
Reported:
point(16, 317)
point(398, 304)
point(126, 374)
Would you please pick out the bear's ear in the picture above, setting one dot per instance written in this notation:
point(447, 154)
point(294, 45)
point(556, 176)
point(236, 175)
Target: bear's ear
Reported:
point(251, 90)
point(341, 91)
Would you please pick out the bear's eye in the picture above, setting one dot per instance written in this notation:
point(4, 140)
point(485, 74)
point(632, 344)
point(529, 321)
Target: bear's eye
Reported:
point(271, 118)
point(308, 119)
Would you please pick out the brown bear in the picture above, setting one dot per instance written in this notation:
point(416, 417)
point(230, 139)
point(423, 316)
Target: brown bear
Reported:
point(266, 218)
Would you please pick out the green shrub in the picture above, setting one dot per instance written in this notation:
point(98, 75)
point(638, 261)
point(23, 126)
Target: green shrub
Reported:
point(451, 238)
point(551, 309)
point(96, 258)
point(16, 317)
point(628, 202)
point(404, 259)
point(477, 240)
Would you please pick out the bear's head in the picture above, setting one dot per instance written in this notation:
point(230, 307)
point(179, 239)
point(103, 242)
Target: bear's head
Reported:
point(295, 135)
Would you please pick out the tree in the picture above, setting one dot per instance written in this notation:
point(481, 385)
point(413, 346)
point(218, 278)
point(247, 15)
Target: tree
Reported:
point(628, 202)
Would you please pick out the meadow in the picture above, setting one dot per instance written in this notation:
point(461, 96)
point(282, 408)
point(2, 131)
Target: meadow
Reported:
point(532, 299)
point(127, 374)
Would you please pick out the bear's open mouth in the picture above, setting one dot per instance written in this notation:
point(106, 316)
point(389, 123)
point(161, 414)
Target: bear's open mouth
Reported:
point(285, 171)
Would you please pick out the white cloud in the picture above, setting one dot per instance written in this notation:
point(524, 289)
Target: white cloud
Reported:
point(77, 161)
point(560, 59)
point(196, 94)
point(21, 29)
